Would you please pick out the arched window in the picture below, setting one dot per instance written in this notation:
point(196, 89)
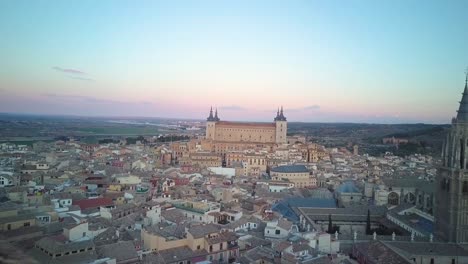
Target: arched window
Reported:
point(393, 198)
point(410, 198)
point(465, 188)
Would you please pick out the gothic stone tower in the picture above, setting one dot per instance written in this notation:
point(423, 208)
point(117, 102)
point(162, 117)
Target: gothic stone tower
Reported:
point(211, 124)
point(281, 127)
point(451, 208)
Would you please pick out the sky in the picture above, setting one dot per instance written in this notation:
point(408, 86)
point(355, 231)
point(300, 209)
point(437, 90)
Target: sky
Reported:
point(399, 61)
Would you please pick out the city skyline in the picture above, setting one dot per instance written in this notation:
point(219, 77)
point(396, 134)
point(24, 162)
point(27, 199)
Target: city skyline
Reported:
point(324, 61)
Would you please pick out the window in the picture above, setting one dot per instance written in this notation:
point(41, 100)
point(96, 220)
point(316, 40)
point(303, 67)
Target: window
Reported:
point(84, 234)
point(74, 252)
point(277, 232)
point(67, 253)
point(221, 246)
point(26, 224)
point(82, 250)
point(432, 261)
point(465, 187)
point(58, 255)
point(198, 247)
point(211, 248)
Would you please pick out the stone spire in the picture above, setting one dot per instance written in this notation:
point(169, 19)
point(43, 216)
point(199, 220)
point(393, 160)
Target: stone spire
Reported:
point(216, 118)
point(462, 116)
point(211, 118)
point(280, 116)
point(277, 115)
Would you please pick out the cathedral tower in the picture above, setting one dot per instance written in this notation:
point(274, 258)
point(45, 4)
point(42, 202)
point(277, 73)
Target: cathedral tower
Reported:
point(451, 208)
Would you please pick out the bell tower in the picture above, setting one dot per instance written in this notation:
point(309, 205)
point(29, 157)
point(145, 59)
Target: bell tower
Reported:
point(451, 208)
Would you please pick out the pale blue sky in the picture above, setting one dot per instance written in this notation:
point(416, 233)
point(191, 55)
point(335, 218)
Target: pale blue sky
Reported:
point(360, 61)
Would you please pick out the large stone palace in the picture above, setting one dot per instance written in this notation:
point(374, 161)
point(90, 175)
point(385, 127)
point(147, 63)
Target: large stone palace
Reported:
point(250, 148)
point(227, 136)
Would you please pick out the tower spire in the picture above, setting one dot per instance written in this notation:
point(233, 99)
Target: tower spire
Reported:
point(280, 115)
point(210, 117)
point(466, 78)
point(216, 118)
point(462, 115)
point(277, 115)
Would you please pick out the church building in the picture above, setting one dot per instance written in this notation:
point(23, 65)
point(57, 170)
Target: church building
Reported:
point(451, 208)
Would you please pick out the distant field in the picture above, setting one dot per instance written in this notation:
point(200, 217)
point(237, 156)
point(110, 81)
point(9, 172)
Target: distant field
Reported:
point(26, 142)
point(118, 131)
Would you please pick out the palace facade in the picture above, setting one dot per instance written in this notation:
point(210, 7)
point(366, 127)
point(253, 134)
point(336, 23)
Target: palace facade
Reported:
point(234, 136)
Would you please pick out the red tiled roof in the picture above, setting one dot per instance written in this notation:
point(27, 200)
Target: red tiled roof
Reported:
point(93, 203)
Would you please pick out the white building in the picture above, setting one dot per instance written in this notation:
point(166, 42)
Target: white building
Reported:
point(6, 179)
point(281, 228)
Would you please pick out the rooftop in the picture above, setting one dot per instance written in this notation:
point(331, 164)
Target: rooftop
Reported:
point(378, 252)
point(348, 187)
point(426, 248)
point(245, 124)
point(121, 251)
point(93, 203)
point(290, 169)
point(198, 231)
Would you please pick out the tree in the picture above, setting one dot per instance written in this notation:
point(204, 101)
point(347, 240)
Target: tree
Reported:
point(368, 224)
point(330, 225)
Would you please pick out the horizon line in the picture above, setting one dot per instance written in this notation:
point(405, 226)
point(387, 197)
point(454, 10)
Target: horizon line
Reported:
point(203, 120)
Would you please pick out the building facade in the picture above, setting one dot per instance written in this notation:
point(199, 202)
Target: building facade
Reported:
point(451, 206)
point(245, 133)
point(297, 174)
